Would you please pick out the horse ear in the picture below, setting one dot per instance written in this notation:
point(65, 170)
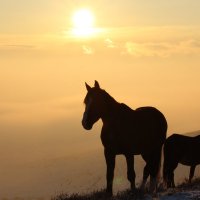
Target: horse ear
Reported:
point(87, 87)
point(96, 84)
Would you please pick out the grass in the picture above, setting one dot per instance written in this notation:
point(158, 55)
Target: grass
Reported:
point(127, 194)
point(194, 185)
point(101, 195)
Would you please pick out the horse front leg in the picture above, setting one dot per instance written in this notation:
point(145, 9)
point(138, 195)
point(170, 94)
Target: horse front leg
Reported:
point(130, 170)
point(110, 162)
point(192, 169)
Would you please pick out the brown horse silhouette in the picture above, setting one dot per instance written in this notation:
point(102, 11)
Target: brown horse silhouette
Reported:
point(126, 131)
point(180, 149)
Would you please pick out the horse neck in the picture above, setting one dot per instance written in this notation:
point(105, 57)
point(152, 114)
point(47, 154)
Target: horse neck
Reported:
point(111, 107)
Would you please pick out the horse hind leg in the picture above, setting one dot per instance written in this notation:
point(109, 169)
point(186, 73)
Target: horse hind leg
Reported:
point(130, 170)
point(169, 165)
point(145, 177)
point(170, 175)
point(110, 162)
point(171, 180)
point(192, 169)
point(154, 163)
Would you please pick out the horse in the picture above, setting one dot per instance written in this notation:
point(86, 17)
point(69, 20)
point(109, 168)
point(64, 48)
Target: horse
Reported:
point(127, 132)
point(180, 149)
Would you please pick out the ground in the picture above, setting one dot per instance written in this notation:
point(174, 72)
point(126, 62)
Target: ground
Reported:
point(183, 191)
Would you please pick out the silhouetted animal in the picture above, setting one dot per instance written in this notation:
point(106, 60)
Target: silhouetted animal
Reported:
point(180, 149)
point(126, 131)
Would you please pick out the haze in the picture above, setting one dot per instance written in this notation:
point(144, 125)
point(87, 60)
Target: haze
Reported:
point(146, 53)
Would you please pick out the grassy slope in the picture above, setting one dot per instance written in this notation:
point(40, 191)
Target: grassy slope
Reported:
point(127, 195)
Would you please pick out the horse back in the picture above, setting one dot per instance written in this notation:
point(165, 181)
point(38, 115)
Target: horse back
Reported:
point(146, 120)
point(182, 149)
point(154, 119)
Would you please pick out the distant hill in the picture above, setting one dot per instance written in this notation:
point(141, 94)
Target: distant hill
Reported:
point(193, 133)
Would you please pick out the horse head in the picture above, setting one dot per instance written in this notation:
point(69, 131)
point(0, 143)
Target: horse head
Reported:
point(94, 105)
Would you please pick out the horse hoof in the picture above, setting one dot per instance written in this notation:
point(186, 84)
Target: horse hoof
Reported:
point(109, 194)
point(141, 190)
point(133, 191)
point(162, 187)
point(137, 193)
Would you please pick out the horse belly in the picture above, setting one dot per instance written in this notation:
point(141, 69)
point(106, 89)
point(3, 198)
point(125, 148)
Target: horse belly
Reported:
point(190, 159)
point(133, 136)
point(119, 144)
point(144, 140)
point(129, 143)
point(129, 147)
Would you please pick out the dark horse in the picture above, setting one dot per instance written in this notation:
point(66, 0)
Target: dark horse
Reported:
point(126, 131)
point(180, 149)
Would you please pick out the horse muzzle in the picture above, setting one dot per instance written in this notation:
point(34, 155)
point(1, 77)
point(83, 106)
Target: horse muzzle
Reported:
point(86, 126)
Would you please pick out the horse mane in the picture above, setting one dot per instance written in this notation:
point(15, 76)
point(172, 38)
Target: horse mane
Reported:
point(107, 97)
point(112, 102)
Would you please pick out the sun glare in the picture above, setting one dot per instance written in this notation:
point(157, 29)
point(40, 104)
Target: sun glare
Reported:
point(83, 18)
point(83, 23)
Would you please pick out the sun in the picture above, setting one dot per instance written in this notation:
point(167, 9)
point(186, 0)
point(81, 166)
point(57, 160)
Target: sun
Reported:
point(83, 23)
point(83, 18)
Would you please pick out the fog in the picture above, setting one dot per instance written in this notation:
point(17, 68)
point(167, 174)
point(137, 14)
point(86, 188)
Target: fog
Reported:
point(42, 160)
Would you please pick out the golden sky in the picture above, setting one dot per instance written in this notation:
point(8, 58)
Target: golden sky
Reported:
point(142, 53)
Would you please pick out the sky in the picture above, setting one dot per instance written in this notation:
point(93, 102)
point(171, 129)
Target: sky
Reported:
point(144, 53)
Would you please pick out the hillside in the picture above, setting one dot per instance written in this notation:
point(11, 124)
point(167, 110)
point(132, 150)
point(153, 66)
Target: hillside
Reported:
point(193, 133)
point(183, 191)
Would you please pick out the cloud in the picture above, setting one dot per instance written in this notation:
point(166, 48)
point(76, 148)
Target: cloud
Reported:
point(109, 43)
point(146, 49)
point(87, 50)
point(18, 46)
point(161, 49)
point(148, 42)
point(132, 41)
